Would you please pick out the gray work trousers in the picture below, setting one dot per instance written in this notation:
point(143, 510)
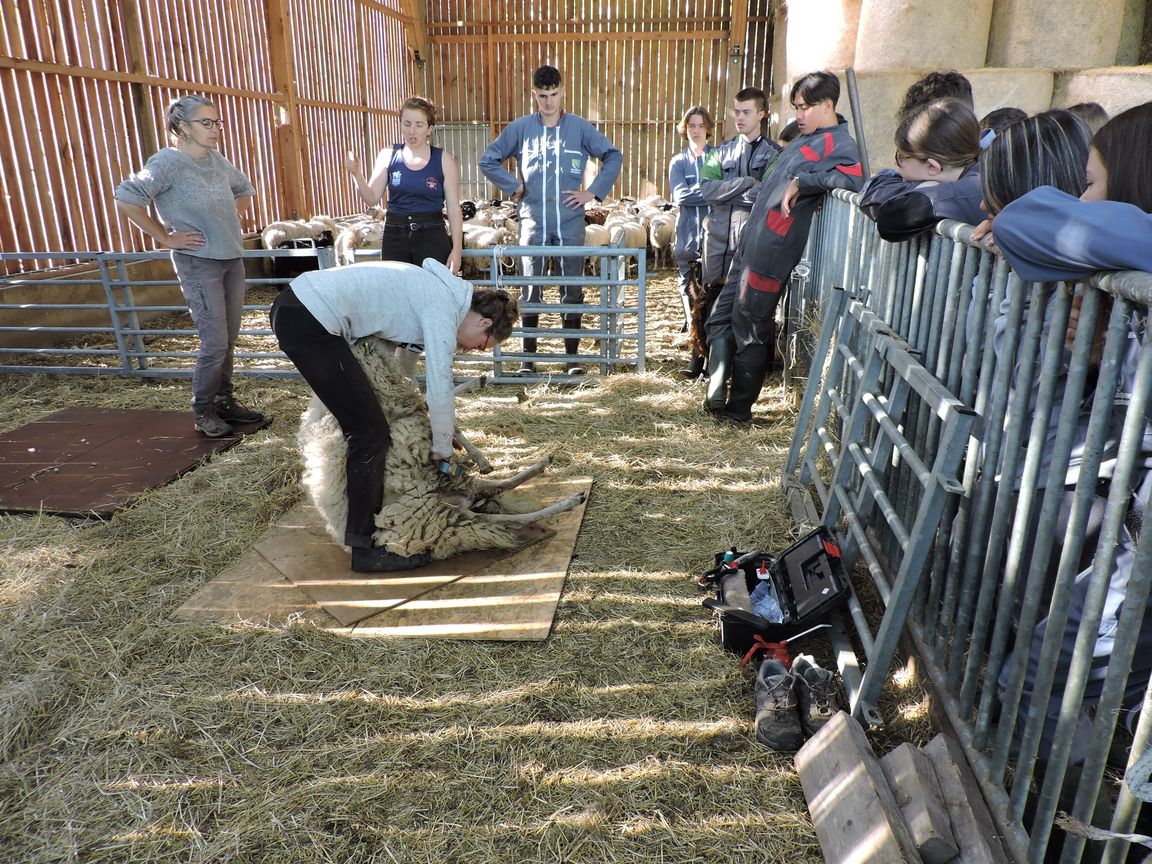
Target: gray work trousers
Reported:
point(214, 292)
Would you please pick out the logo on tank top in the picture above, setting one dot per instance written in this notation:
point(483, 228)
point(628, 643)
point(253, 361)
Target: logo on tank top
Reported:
point(395, 178)
point(432, 183)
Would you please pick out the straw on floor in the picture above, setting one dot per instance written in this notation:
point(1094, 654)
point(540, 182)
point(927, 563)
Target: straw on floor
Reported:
point(626, 737)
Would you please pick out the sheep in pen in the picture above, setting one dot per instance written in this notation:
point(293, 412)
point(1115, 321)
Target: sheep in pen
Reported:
point(424, 509)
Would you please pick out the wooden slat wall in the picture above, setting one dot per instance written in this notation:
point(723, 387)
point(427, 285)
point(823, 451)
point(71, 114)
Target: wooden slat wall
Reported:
point(84, 83)
point(630, 66)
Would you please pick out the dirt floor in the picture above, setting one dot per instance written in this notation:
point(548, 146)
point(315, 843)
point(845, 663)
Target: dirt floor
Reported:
point(625, 737)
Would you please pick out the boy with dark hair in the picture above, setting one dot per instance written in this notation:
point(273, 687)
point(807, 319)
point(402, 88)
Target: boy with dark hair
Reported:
point(937, 85)
point(823, 157)
point(551, 148)
point(729, 182)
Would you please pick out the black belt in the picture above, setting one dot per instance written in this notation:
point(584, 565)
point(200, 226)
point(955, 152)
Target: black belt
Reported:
point(418, 222)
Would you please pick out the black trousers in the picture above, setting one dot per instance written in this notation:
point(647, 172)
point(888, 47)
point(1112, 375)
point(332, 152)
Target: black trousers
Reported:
point(412, 247)
point(336, 376)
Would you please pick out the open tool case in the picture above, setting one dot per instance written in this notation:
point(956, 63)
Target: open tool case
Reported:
point(809, 580)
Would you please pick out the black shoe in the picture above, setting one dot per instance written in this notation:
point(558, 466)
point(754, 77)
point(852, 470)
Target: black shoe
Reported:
point(377, 560)
point(816, 694)
point(777, 718)
point(694, 369)
point(229, 409)
point(575, 370)
point(526, 369)
point(209, 423)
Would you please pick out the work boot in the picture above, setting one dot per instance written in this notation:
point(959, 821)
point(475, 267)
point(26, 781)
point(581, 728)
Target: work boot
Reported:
point(377, 560)
point(694, 369)
point(747, 381)
point(777, 719)
point(227, 408)
point(571, 345)
point(719, 368)
point(816, 694)
point(208, 423)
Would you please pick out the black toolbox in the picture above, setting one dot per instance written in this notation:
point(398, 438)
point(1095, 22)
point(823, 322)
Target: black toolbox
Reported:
point(809, 580)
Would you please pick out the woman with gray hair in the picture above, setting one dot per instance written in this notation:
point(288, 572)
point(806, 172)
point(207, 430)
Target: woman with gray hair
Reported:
point(197, 193)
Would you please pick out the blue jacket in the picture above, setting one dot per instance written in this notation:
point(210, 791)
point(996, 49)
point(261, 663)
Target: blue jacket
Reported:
point(551, 161)
point(902, 210)
point(684, 181)
point(1048, 235)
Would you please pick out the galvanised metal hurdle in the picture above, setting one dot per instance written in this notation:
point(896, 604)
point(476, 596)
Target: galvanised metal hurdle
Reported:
point(118, 339)
point(1029, 610)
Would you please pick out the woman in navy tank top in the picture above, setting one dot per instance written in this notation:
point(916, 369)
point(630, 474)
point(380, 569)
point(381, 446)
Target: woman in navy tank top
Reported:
point(416, 183)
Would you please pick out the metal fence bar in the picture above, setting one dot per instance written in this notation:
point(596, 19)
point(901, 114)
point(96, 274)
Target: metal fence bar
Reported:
point(1008, 554)
point(618, 307)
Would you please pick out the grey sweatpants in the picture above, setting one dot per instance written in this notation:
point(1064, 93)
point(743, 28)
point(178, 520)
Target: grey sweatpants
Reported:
point(214, 292)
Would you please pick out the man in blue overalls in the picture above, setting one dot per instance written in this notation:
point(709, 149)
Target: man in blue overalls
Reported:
point(552, 148)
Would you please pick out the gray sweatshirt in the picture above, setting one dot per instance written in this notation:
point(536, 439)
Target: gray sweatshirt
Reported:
point(193, 195)
point(400, 303)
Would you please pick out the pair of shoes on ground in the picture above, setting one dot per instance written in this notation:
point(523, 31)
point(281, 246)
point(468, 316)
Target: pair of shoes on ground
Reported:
point(793, 705)
point(377, 560)
point(215, 421)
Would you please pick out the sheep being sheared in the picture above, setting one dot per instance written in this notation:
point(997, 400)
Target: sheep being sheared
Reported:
point(424, 510)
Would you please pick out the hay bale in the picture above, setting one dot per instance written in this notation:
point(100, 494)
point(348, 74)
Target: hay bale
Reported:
point(894, 36)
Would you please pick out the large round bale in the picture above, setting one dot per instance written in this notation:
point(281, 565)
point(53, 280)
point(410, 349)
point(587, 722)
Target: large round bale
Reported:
point(1116, 88)
point(1027, 89)
point(821, 34)
point(919, 35)
point(1071, 33)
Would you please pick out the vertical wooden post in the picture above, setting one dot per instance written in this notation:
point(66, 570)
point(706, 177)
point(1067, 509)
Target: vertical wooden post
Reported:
point(735, 59)
point(294, 202)
point(141, 106)
point(362, 81)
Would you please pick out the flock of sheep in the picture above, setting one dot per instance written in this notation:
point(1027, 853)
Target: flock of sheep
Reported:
point(648, 224)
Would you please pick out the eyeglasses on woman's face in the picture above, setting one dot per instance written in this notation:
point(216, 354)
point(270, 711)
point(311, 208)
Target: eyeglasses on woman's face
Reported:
point(208, 123)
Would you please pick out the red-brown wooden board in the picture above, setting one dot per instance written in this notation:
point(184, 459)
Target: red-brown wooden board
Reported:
point(85, 461)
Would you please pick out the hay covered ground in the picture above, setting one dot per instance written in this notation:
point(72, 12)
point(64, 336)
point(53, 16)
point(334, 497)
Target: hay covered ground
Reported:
point(625, 737)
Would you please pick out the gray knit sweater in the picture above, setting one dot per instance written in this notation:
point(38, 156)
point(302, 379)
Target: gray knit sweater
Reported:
point(193, 195)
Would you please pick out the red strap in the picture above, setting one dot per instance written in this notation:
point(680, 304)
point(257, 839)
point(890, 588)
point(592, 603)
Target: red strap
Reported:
point(775, 650)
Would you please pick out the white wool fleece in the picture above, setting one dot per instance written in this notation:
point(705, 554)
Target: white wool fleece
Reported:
point(399, 303)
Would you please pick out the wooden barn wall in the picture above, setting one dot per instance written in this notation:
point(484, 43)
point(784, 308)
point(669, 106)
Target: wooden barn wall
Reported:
point(299, 83)
point(631, 67)
point(83, 85)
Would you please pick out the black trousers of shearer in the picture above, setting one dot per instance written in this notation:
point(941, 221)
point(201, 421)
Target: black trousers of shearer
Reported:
point(336, 376)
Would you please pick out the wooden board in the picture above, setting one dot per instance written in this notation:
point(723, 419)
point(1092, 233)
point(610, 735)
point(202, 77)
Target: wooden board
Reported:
point(854, 813)
point(296, 570)
point(85, 461)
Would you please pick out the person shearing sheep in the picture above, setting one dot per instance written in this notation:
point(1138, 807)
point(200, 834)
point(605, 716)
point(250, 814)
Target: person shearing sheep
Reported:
point(197, 193)
point(426, 308)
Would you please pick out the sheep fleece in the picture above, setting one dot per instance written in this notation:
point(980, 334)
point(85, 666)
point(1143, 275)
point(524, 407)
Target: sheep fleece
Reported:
point(421, 510)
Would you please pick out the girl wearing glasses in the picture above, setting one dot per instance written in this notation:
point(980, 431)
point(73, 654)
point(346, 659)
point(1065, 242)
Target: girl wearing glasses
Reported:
point(197, 193)
point(937, 173)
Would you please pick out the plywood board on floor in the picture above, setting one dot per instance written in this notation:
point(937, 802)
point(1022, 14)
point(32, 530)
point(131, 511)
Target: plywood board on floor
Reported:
point(481, 595)
point(85, 461)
